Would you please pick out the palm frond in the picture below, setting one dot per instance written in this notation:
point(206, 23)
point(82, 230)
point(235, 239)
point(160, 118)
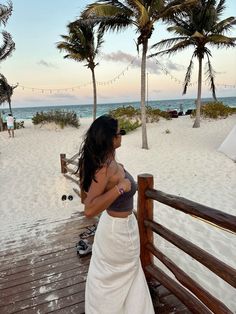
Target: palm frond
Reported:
point(221, 41)
point(180, 30)
point(156, 6)
point(6, 90)
point(7, 47)
point(167, 43)
point(179, 46)
point(224, 26)
point(100, 39)
point(141, 12)
point(107, 8)
point(220, 7)
point(210, 73)
point(5, 12)
point(83, 41)
point(74, 56)
point(176, 7)
point(188, 74)
point(112, 15)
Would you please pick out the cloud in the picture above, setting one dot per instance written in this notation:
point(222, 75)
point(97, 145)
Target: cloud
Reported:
point(174, 66)
point(55, 96)
point(118, 56)
point(135, 62)
point(156, 91)
point(47, 64)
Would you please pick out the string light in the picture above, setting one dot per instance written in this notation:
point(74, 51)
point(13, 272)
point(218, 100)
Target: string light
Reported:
point(117, 77)
point(167, 72)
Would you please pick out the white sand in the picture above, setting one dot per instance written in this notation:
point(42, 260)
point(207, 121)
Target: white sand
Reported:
point(185, 162)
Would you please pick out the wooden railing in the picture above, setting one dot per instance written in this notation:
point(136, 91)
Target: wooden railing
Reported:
point(70, 173)
point(187, 290)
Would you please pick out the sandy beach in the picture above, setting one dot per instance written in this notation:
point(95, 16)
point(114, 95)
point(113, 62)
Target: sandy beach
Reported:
point(184, 162)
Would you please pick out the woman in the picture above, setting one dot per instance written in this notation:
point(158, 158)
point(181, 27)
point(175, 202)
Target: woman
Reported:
point(115, 282)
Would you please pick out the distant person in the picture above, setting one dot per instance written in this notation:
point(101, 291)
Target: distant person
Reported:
point(181, 110)
point(10, 125)
point(115, 282)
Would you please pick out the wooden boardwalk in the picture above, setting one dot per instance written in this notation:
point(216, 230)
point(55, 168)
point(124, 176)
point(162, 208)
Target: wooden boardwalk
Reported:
point(43, 274)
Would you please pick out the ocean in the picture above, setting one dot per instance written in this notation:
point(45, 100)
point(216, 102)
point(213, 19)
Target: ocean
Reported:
point(85, 111)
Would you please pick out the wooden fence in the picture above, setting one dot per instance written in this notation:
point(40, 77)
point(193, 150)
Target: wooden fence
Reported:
point(187, 290)
point(196, 298)
point(70, 173)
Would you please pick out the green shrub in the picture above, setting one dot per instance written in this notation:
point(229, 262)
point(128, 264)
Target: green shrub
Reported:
point(60, 117)
point(129, 112)
point(215, 110)
point(232, 110)
point(130, 118)
point(154, 114)
point(19, 125)
point(129, 124)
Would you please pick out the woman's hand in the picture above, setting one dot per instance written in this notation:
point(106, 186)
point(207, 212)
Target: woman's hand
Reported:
point(124, 184)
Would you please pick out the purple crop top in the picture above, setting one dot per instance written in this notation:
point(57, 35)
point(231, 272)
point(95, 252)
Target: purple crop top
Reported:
point(125, 202)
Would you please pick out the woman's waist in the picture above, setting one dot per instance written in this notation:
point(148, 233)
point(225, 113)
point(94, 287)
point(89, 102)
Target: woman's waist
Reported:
point(119, 214)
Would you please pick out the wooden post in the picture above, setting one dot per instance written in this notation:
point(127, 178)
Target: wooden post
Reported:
point(63, 163)
point(145, 211)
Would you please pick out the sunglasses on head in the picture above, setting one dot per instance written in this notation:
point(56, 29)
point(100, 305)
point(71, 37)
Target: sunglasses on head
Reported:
point(122, 132)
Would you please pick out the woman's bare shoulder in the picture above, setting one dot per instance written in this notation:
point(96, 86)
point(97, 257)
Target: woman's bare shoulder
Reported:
point(102, 171)
point(108, 170)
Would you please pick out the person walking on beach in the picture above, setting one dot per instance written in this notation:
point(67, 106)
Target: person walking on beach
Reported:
point(116, 283)
point(10, 125)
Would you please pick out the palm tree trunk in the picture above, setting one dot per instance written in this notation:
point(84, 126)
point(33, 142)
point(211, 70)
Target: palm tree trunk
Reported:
point(143, 93)
point(9, 102)
point(1, 123)
point(199, 93)
point(94, 95)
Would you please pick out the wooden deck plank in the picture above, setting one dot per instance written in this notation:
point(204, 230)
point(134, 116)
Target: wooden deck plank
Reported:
point(43, 282)
point(18, 267)
point(59, 239)
point(45, 269)
point(45, 275)
point(48, 287)
point(73, 309)
point(45, 300)
point(164, 301)
point(56, 272)
point(58, 304)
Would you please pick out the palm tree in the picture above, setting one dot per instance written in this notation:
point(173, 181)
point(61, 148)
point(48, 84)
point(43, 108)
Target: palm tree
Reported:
point(6, 91)
point(8, 45)
point(200, 27)
point(117, 15)
point(83, 44)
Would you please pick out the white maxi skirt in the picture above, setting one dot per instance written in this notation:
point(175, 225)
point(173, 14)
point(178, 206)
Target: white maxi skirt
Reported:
point(116, 283)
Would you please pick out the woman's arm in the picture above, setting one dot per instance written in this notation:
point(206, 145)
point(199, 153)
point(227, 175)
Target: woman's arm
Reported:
point(97, 199)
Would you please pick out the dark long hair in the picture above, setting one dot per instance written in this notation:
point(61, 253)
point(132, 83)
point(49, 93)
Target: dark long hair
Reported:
point(96, 148)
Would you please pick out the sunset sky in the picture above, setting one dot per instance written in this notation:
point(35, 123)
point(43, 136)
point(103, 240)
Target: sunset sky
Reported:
point(37, 64)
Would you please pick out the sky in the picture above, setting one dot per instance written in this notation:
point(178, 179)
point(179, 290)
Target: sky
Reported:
point(46, 78)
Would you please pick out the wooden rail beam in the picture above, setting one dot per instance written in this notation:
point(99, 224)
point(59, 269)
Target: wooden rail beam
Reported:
point(180, 292)
point(202, 294)
point(70, 178)
point(221, 269)
point(195, 209)
point(71, 161)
